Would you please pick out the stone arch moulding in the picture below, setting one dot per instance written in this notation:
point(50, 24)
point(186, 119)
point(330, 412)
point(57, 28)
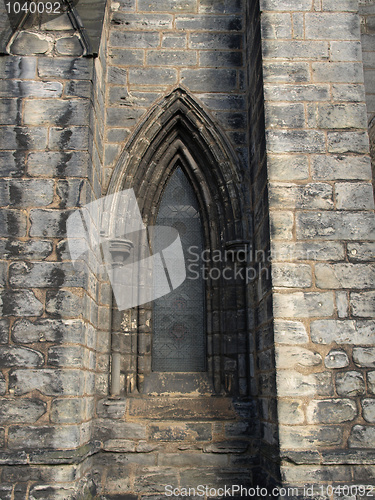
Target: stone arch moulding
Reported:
point(179, 132)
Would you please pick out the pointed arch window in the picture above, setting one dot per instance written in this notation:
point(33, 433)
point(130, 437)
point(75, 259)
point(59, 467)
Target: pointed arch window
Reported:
point(179, 333)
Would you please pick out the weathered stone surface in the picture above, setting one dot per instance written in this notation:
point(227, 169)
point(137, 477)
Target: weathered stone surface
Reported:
point(46, 274)
point(48, 330)
point(359, 252)
point(291, 275)
point(290, 332)
point(69, 46)
point(350, 384)
point(310, 437)
point(343, 332)
point(209, 79)
point(327, 250)
point(64, 303)
point(331, 411)
point(290, 411)
point(67, 410)
point(13, 411)
point(51, 382)
point(336, 358)
point(341, 168)
point(21, 437)
point(20, 303)
point(116, 429)
point(65, 67)
point(303, 304)
point(364, 357)
point(368, 410)
point(181, 432)
point(335, 226)
point(362, 304)
point(354, 196)
point(56, 112)
point(288, 357)
point(362, 437)
point(30, 249)
point(68, 356)
point(20, 356)
point(294, 384)
point(352, 276)
point(28, 44)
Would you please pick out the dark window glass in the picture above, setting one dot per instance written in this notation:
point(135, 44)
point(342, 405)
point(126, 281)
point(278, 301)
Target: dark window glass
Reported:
point(179, 343)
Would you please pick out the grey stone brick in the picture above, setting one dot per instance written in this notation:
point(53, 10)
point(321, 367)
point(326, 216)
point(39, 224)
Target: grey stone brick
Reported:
point(295, 384)
point(18, 67)
point(78, 88)
point(20, 356)
point(69, 138)
point(106, 429)
point(69, 46)
point(171, 58)
point(50, 223)
point(126, 117)
point(341, 116)
point(368, 409)
point(337, 26)
point(58, 164)
point(281, 225)
point(65, 67)
point(117, 75)
point(56, 112)
point(215, 41)
point(361, 252)
point(343, 5)
point(336, 358)
point(28, 44)
point(231, 120)
point(291, 275)
point(308, 251)
point(364, 357)
point(213, 58)
point(220, 6)
point(20, 303)
point(26, 192)
point(10, 110)
point(350, 384)
point(209, 23)
point(48, 330)
point(285, 115)
point(290, 411)
point(283, 92)
point(192, 460)
point(14, 411)
point(343, 332)
point(344, 276)
point(309, 196)
point(337, 72)
point(223, 101)
point(23, 138)
point(276, 25)
point(28, 88)
point(29, 437)
point(362, 437)
point(4, 331)
point(157, 76)
point(348, 92)
point(31, 249)
point(290, 332)
point(66, 356)
point(287, 5)
point(174, 40)
point(12, 223)
point(44, 492)
point(219, 80)
point(310, 437)
point(172, 6)
point(335, 226)
point(354, 196)
point(137, 40)
point(142, 21)
point(362, 304)
point(295, 49)
point(346, 51)
point(12, 163)
point(67, 410)
point(72, 192)
point(331, 411)
point(46, 274)
point(341, 167)
point(303, 304)
point(63, 303)
point(289, 357)
point(3, 384)
point(295, 141)
point(49, 381)
point(126, 57)
point(286, 72)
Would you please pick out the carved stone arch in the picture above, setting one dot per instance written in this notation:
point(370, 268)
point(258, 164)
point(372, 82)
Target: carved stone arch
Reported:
point(178, 131)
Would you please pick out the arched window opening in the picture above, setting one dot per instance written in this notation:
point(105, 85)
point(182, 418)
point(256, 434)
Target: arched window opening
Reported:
point(179, 331)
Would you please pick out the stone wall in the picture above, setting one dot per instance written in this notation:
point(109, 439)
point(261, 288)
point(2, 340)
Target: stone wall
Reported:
point(321, 203)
